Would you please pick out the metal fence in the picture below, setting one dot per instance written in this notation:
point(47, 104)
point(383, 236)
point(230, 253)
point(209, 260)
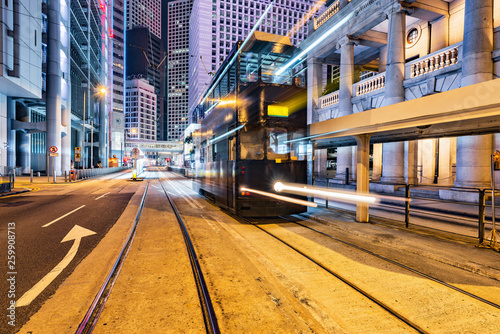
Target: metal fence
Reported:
point(81, 174)
point(421, 205)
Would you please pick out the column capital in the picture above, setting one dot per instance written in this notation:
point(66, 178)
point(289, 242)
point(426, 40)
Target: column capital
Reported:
point(399, 7)
point(347, 39)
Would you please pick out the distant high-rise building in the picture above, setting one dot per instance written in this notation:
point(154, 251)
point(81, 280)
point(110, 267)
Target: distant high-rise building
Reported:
point(118, 79)
point(216, 25)
point(145, 56)
point(140, 110)
point(178, 67)
point(145, 13)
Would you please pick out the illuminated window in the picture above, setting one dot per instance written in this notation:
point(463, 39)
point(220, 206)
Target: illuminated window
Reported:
point(412, 36)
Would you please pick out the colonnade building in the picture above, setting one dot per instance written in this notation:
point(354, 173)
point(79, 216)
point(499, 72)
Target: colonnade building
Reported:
point(366, 55)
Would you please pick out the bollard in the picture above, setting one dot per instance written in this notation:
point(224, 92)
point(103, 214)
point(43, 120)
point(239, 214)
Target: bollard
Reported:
point(407, 205)
point(14, 175)
point(65, 176)
point(38, 174)
point(480, 214)
point(327, 186)
point(31, 175)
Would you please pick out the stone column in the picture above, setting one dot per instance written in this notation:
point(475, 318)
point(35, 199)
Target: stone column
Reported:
point(393, 153)
point(411, 161)
point(103, 132)
point(363, 175)
point(23, 147)
point(344, 154)
point(377, 162)
point(10, 144)
point(473, 152)
point(314, 88)
point(54, 83)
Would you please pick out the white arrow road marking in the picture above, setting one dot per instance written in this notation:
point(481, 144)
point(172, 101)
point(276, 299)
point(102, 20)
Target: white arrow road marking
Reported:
point(76, 233)
point(102, 195)
point(52, 222)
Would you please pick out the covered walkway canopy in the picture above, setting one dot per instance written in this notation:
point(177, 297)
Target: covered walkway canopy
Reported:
point(470, 110)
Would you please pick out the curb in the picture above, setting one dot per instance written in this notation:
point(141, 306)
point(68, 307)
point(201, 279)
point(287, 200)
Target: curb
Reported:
point(12, 193)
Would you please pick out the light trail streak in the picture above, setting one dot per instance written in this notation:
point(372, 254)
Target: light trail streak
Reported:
point(281, 198)
point(313, 45)
point(216, 139)
point(316, 191)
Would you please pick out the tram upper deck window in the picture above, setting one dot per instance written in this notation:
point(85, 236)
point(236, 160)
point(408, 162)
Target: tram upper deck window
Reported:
point(271, 63)
point(249, 67)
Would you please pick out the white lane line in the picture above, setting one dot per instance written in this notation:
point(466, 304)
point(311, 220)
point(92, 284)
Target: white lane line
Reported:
point(55, 220)
point(103, 195)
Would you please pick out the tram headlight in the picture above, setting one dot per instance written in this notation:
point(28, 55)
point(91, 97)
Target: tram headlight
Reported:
point(278, 186)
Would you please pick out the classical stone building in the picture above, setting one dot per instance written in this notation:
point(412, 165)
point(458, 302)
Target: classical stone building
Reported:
point(386, 53)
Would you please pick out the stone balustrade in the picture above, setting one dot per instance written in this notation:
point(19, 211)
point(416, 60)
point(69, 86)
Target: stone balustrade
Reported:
point(369, 85)
point(329, 99)
point(327, 14)
point(433, 62)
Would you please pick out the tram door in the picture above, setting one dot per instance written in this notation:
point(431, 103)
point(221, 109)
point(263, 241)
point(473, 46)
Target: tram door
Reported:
point(231, 165)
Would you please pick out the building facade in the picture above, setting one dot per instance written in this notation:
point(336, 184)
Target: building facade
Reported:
point(145, 13)
point(59, 56)
point(140, 110)
point(117, 95)
point(177, 67)
point(414, 53)
point(145, 54)
point(20, 82)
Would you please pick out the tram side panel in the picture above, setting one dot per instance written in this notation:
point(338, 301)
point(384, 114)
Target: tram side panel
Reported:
point(261, 175)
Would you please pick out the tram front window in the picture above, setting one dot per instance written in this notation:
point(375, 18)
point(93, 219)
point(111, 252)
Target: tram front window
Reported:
point(277, 148)
point(252, 144)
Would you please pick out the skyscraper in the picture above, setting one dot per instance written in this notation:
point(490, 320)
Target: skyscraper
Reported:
point(145, 56)
point(118, 81)
point(178, 67)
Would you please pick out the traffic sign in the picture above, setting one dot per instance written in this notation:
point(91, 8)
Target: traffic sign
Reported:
point(53, 149)
point(78, 150)
point(54, 154)
point(135, 150)
point(78, 157)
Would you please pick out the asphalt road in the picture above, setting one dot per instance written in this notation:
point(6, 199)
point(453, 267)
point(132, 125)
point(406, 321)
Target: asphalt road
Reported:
point(38, 222)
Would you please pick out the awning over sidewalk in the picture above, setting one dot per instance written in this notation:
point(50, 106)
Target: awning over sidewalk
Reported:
point(470, 110)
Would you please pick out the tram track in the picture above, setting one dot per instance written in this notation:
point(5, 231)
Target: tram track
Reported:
point(408, 268)
point(336, 273)
point(91, 318)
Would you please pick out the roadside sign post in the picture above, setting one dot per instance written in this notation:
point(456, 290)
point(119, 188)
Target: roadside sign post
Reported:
point(53, 153)
point(135, 155)
point(495, 165)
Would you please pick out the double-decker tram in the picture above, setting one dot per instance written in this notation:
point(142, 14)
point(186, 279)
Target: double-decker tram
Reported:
point(251, 119)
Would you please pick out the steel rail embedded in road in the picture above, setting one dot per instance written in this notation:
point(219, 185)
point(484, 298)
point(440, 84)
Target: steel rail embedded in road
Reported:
point(209, 317)
point(415, 271)
point(344, 280)
point(90, 320)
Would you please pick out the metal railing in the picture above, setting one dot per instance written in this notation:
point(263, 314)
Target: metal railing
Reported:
point(411, 204)
point(81, 174)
